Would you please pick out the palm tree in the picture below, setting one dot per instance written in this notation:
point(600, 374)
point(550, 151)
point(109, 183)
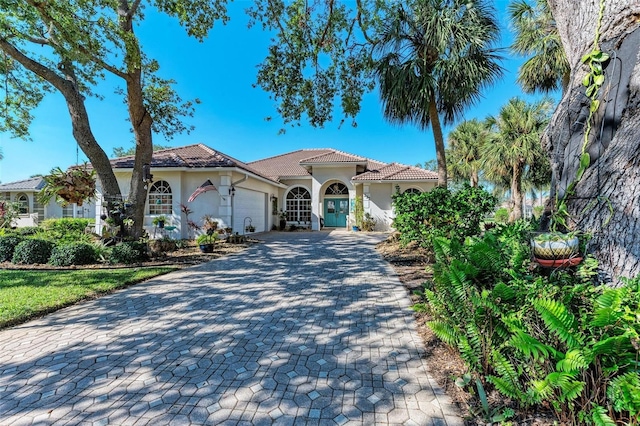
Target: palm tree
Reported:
point(515, 148)
point(537, 36)
point(463, 153)
point(435, 57)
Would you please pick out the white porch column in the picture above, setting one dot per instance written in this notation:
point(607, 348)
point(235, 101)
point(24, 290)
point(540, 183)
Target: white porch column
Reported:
point(315, 205)
point(225, 211)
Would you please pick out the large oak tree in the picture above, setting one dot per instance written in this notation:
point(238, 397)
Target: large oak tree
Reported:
point(604, 199)
point(69, 46)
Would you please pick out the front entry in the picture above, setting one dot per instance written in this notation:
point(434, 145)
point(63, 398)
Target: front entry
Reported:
point(335, 212)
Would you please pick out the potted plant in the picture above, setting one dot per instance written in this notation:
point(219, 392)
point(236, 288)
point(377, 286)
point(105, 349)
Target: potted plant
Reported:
point(250, 228)
point(556, 249)
point(159, 221)
point(207, 241)
point(283, 219)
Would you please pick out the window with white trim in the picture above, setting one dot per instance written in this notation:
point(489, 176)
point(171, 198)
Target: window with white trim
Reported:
point(337, 189)
point(412, 191)
point(23, 203)
point(160, 198)
point(299, 205)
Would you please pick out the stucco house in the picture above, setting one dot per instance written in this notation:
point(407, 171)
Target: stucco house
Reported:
point(312, 188)
point(31, 211)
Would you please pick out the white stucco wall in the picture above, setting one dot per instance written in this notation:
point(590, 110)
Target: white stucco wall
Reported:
point(217, 204)
point(378, 204)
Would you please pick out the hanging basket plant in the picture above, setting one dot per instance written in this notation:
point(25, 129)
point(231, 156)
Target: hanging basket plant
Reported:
point(556, 250)
point(74, 186)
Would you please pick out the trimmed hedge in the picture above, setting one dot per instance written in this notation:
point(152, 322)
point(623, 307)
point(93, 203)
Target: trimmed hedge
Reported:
point(7, 247)
point(73, 254)
point(129, 252)
point(32, 251)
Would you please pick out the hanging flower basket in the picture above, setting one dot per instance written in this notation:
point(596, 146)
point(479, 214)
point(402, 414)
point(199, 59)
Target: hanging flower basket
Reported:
point(556, 250)
point(74, 186)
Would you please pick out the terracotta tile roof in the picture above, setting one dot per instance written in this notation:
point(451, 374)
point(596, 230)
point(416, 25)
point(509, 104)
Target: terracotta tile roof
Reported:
point(33, 184)
point(395, 171)
point(334, 157)
point(288, 165)
point(190, 156)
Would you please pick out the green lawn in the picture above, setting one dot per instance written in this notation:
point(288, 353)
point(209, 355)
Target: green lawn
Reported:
point(25, 294)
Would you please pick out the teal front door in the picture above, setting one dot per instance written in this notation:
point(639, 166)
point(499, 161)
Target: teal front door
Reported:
point(335, 212)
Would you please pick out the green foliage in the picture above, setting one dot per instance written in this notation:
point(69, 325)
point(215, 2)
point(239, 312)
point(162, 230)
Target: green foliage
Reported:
point(32, 251)
point(502, 215)
point(441, 213)
point(73, 254)
point(121, 152)
point(65, 230)
point(8, 211)
point(129, 252)
point(65, 225)
point(7, 246)
point(551, 339)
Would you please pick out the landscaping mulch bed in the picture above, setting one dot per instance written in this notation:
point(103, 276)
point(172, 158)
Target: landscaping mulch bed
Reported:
point(182, 258)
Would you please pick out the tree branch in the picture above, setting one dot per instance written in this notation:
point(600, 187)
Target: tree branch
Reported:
point(32, 65)
point(360, 24)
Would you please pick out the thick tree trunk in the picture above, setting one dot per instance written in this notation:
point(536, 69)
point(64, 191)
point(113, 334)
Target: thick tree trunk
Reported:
point(516, 193)
point(605, 200)
point(141, 120)
point(473, 180)
point(438, 137)
point(81, 127)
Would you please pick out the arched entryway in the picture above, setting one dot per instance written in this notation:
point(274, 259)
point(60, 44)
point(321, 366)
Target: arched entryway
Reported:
point(336, 205)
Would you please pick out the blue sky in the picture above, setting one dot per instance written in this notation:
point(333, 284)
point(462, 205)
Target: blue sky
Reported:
point(220, 72)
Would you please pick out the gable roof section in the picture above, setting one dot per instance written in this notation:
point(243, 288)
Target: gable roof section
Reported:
point(396, 172)
point(288, 165)
point(334, 157)
point(33, 184)
point(190, 157)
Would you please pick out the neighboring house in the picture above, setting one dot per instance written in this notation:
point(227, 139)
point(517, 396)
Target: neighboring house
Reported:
point(314, 187)
point(25, 192)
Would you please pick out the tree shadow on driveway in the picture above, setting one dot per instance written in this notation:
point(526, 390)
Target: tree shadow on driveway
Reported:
point(306, 328)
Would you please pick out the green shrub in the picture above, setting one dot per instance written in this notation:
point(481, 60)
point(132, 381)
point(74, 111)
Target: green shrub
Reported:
point(7, 247)
point(65, 230)
point(32, 251)
point(129, 252)
point(502, 215)
point(73, 254)
point(28, 230)
point(66, 225)
point(441, 213)
point(538, 338)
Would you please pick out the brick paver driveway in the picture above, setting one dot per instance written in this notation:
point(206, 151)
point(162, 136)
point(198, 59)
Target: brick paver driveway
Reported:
point(307, 328)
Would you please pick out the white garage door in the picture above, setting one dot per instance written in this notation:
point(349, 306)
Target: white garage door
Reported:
point(249, 204)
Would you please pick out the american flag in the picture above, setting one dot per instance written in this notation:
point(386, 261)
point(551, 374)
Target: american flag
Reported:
point(206, 186)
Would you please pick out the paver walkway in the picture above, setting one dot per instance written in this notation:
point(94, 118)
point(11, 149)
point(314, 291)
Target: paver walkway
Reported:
point(307, 328)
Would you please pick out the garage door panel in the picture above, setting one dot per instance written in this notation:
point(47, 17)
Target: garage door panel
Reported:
point(249, 204)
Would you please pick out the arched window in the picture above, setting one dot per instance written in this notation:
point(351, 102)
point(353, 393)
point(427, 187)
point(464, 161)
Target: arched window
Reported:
point(23, 203)
point(337, 189)
point(412, 191)
point(299, 205)
point(160, 198)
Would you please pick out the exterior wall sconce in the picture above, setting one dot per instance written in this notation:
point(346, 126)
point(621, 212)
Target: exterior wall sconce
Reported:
point(273, 197)
point(232, 191)
point(397, 188)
